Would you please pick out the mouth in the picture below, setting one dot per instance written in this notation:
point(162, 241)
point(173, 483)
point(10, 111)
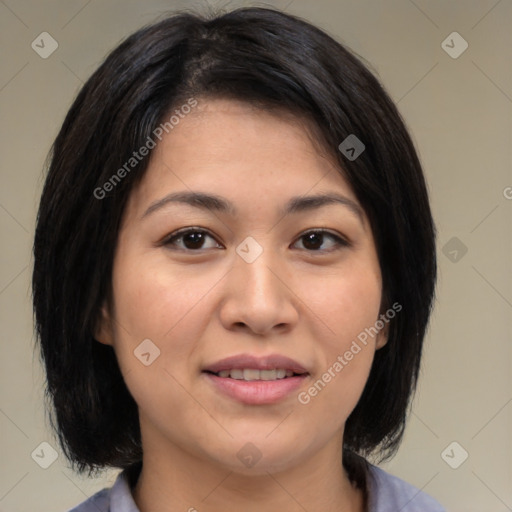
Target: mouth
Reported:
point(256, 380)
point(251, 374)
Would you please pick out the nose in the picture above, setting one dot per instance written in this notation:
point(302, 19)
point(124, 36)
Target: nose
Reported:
point(259, 296)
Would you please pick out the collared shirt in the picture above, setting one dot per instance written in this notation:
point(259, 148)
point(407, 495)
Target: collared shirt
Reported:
point(387, 493)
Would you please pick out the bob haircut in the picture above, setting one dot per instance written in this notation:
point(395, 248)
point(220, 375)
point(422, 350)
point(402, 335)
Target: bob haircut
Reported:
point(277, 62)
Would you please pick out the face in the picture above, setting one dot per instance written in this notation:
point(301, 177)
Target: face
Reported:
point(204, 289)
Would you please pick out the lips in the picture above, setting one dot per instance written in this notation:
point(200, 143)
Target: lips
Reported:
point(249, 367)
point(256, 380)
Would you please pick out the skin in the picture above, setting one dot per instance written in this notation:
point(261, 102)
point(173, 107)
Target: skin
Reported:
point(199, 304)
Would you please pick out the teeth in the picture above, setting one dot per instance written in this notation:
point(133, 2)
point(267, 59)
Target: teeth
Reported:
point(266, 374)
point(249, 374)
point(236, 374)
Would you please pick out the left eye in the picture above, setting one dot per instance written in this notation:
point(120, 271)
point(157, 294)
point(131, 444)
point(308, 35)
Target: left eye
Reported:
point(316, 237)
point(193, 239)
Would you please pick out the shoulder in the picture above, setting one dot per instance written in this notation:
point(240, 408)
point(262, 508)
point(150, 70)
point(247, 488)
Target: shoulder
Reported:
point(99, 502)
point(117, 498)
point(389, 493)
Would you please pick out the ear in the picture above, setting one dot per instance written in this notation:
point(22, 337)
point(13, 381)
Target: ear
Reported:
point(382, 336)
point(103, 331)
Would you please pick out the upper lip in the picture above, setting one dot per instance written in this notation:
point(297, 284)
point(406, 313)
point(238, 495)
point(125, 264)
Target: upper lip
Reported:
point(243, 361)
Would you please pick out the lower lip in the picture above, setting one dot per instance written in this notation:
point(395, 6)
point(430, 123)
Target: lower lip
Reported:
point(256, 392)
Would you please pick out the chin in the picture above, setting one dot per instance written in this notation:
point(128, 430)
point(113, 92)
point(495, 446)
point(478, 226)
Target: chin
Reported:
point(257, 455)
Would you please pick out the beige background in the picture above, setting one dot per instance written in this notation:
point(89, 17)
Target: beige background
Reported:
point(460, 114)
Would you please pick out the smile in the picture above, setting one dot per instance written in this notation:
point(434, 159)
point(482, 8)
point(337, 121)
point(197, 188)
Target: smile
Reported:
point(250, 374)
point(262, 387)
point(255, 380)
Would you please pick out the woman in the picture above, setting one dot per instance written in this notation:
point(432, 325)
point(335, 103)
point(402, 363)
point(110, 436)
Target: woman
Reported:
point(234, 271)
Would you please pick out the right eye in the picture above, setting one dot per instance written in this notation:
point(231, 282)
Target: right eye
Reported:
point(188, 239)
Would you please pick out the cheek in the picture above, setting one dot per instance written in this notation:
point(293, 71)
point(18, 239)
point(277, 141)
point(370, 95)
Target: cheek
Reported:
point(347, 358)
point(152, 295)
point(153, 303)
point(347, 301)
point(333, 395)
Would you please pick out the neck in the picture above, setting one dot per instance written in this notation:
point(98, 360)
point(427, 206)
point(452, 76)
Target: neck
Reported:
point(174, 480)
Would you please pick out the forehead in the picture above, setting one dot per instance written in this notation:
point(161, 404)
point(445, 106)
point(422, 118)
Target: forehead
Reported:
point(236, 126)
point(241, 151)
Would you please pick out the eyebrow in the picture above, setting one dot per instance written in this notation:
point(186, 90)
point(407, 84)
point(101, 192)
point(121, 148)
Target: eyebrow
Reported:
point(217, 203)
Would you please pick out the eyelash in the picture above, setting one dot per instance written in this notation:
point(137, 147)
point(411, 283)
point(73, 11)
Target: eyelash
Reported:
point(171, 239)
